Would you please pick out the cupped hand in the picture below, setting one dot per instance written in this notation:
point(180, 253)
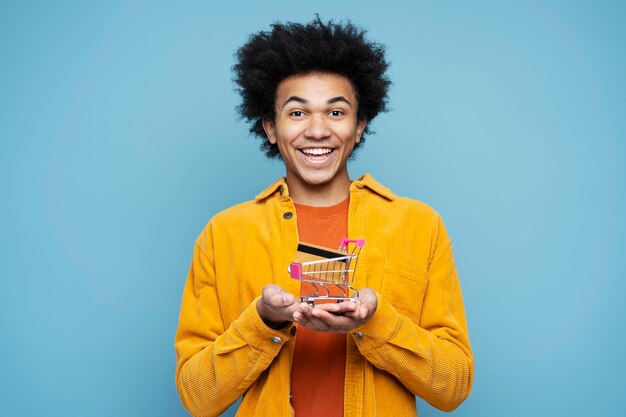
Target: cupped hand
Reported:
point(276, 306)
point(338, 317)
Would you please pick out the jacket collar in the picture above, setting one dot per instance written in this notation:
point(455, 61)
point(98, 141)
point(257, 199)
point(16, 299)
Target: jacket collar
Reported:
point(366, 181)
point(279, 185)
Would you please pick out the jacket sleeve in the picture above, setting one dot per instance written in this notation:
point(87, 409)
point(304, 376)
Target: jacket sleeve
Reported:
point(215, 364)
point(432, 358)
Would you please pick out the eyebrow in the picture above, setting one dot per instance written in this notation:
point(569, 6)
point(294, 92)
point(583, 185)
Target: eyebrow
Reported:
point(305, 101)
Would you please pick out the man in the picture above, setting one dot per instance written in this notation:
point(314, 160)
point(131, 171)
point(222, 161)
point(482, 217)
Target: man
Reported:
point(310, 92)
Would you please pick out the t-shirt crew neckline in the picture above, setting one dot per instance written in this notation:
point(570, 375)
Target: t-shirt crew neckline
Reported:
point(324, 212)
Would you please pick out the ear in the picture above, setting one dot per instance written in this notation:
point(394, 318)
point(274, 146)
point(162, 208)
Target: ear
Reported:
point(268, 126)
point(360, 127)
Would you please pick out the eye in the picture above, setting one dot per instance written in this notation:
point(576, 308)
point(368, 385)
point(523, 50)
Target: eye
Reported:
point(336, 113)
point(296, 113)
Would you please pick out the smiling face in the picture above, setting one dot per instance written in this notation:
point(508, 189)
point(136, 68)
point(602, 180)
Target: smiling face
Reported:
point(316, 127)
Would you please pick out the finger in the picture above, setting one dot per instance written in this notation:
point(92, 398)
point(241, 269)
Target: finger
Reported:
point(309, 317)
point(269, 292)
point(355, 314)
point(338, 308)
point(280, 298)
point(304, 308)
point(319, 319)
point(302, 314)
point(311, 324)
point(297, 316)
point(270, 289)
point(324, 321)
point(287, 298)
point(328, 321)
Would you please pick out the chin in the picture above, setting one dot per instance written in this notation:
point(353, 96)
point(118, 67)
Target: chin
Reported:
point(316, 179)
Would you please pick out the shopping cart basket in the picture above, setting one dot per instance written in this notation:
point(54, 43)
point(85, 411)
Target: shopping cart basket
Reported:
point(329, 270)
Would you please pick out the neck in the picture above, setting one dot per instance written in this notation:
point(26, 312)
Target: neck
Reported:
point(322, 195)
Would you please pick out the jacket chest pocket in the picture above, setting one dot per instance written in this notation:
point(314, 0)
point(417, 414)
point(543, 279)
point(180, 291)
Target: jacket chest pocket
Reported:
point(404, 287)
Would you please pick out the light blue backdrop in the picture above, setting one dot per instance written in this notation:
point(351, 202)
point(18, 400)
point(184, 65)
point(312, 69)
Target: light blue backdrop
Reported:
point(119, 140)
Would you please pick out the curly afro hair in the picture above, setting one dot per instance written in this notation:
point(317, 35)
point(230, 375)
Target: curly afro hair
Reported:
point(293, 49)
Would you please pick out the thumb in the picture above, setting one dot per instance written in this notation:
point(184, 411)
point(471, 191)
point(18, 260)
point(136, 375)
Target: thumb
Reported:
point(287, 298)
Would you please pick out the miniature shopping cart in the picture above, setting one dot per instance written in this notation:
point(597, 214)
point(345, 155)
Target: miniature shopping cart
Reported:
point(330, 272)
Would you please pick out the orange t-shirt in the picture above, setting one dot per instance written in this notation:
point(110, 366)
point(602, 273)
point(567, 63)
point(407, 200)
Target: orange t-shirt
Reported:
point(319, 359)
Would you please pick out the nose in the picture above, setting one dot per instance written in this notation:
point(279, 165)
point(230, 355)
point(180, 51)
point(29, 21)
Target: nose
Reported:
point(317, 128)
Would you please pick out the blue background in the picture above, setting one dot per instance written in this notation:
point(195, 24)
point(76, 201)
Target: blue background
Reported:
point(119, 140)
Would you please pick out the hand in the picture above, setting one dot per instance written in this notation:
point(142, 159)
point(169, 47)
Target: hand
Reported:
point(340, 317)
point(276, 307)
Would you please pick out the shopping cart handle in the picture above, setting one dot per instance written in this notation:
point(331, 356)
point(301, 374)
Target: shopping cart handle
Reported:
point(295, 270)
point(358, 242)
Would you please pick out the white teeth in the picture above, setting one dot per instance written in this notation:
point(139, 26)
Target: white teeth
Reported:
point(317, 151)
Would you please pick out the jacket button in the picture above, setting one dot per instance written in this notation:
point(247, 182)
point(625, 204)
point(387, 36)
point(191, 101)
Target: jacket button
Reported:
point(288, 215)
point(358, 335)
point(293, 331)
point(276, 339)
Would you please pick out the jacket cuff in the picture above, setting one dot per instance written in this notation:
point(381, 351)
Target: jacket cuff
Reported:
point(377, 331)
point(251, 328)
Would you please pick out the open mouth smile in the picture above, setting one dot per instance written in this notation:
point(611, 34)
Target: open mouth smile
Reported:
point(316, 151)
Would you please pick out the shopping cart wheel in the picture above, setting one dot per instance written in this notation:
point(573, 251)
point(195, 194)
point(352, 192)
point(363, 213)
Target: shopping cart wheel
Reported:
point(308, 301)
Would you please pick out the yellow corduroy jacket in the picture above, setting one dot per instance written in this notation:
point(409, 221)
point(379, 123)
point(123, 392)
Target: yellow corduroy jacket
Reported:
point(416, 343)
